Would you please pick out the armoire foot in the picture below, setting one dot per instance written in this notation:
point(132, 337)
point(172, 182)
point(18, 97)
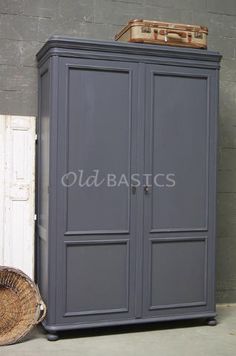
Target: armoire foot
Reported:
point(52, 336)
point(212, 322)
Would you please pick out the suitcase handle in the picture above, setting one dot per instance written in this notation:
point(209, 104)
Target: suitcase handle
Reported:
point(169, 33)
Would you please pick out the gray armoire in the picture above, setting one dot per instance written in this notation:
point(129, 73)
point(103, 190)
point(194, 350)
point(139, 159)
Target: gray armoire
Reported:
point(121, 253)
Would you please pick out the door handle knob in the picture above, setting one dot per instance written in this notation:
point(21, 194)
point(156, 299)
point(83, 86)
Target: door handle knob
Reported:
point(146, 189)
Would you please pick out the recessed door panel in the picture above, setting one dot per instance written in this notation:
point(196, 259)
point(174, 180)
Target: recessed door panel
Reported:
point(179, 158)
point(99, 148)
point(100, 287)
point(178, 273)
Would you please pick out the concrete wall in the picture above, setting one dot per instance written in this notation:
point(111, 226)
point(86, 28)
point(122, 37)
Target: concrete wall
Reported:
point(26, 24)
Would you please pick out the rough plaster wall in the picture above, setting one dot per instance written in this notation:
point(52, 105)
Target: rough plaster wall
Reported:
point(26, 24)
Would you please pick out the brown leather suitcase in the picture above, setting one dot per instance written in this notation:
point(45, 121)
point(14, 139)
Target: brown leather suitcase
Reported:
point(165, 33)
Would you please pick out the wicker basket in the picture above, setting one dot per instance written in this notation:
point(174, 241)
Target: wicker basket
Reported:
point(21, 306)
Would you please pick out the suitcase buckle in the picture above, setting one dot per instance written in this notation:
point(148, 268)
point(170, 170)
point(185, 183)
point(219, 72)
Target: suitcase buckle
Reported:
point(146, 29)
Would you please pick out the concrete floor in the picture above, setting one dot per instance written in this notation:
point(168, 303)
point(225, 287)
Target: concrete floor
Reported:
point(172, 339)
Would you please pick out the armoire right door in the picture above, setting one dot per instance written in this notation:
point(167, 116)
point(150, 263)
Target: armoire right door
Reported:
point(179, 206)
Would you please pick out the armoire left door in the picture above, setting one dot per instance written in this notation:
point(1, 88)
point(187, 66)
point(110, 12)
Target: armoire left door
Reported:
point(96, 226)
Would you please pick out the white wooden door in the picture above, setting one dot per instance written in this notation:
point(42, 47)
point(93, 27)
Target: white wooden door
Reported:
point(17, 181)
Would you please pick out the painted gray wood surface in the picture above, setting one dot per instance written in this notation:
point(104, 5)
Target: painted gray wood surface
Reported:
point(113, 256)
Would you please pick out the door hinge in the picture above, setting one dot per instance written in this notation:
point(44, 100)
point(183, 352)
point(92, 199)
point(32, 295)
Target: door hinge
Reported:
point(36, 138)
point(35, 217)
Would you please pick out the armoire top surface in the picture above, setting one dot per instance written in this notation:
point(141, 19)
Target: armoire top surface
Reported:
point(60, 45)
